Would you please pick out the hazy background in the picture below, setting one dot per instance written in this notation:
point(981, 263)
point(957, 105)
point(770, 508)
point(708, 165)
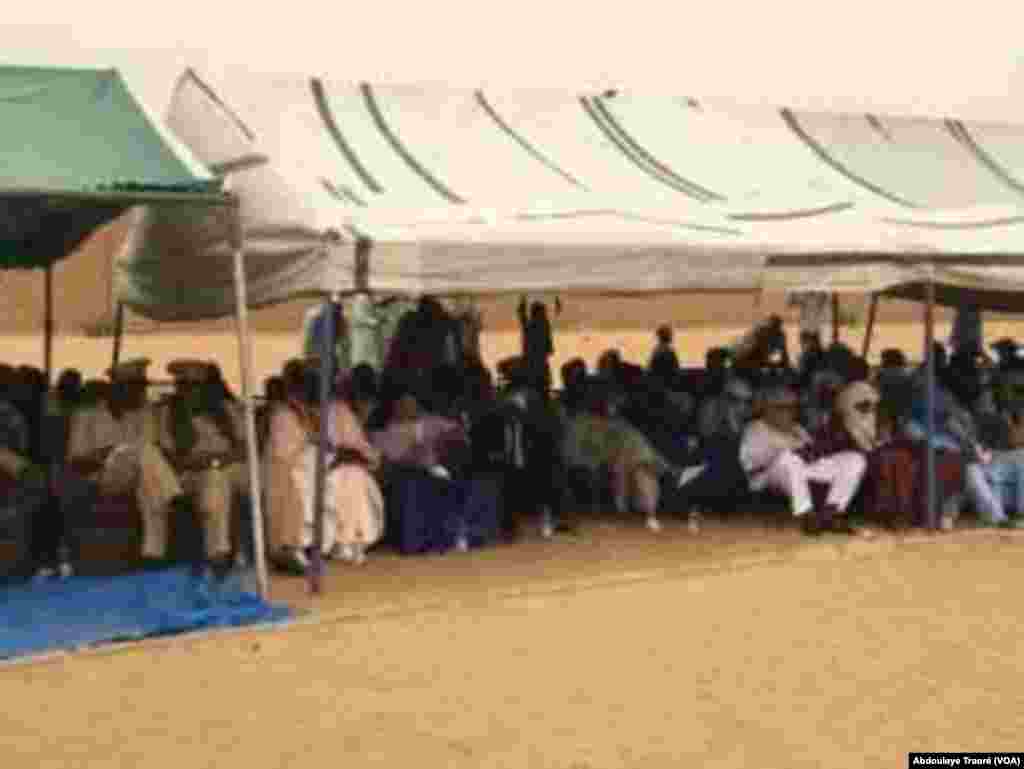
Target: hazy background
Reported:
point(907, 56)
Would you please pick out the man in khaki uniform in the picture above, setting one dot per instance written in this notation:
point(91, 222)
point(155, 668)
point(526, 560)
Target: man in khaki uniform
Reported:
point(203, 434)
point(115, 446)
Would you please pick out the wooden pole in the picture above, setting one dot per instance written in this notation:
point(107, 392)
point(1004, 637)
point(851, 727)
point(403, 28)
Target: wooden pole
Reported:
point(931, 514)
point(835, 318)
point(118, 334)
point(870, 329)
point(48, 325)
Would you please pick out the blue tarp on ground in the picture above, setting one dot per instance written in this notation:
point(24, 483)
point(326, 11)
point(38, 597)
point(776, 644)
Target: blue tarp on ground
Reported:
point(58, 615)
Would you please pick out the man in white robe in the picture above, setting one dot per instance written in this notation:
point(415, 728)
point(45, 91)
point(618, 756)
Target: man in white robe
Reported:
point(775, 454)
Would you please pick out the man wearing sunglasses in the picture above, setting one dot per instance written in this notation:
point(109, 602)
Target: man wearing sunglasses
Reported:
point(778, 454)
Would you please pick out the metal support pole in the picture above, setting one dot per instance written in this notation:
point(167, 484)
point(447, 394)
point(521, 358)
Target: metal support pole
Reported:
point(118, 333)
point(48, 325)
point(835, 318)
point(327, 344)
point(246, 365)
point(931, 513)
point(870, 329)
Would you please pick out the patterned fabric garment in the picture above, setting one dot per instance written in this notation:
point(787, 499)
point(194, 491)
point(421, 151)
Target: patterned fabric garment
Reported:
point(422, 442)
point(589, 442)
point(594, 442)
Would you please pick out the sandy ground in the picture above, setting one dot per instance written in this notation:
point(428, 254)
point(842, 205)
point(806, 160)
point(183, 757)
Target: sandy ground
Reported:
point(271, 350)
point(622, 650)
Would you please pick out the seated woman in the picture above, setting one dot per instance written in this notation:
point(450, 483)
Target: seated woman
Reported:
point(293, 429)
point(764, 346)
point(353, 498)
point(432, 506)
point(415, 439)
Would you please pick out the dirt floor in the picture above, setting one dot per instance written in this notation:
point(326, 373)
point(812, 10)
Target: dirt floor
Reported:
point(737, 647)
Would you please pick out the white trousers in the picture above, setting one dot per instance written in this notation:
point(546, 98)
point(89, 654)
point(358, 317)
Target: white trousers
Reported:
point(791, 475)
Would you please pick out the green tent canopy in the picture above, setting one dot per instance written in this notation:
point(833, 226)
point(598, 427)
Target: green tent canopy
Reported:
point(76, 150)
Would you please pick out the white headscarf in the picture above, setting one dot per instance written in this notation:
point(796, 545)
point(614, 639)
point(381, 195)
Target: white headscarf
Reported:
point(863, 428)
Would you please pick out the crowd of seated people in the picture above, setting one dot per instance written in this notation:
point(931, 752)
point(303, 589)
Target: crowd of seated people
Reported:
point(835, 439)
point(180, 457)
point(429, 455)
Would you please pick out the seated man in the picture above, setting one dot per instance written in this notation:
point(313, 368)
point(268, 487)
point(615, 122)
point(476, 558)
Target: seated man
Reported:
point(715, 479)
point(114, 447)
point(725, 415)
point(778, 454)
point(22, 482)
point(604, 444)
point(956, 433)
point(1003, 469)
point(203, 434)
point(664, 363)
point(519, 440)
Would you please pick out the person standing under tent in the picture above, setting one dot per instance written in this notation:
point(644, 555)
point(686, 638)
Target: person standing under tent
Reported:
point(664, 362)
point(469, 323)
point(390, 312)
point(366, 347)
point(538, 344)
point(424, 339)
point(968, 334)
point(314, 327)
point(815, 311)
point(764, 345)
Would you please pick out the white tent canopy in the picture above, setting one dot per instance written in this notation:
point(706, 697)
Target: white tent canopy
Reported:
point(471, 192)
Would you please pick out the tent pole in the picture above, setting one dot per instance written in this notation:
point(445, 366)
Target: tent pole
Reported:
point(327, 344)
point(835, 318)
point(929, 341)
point(118, 333)
point(246, 365)
point(870, 329)
point(48, 324)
